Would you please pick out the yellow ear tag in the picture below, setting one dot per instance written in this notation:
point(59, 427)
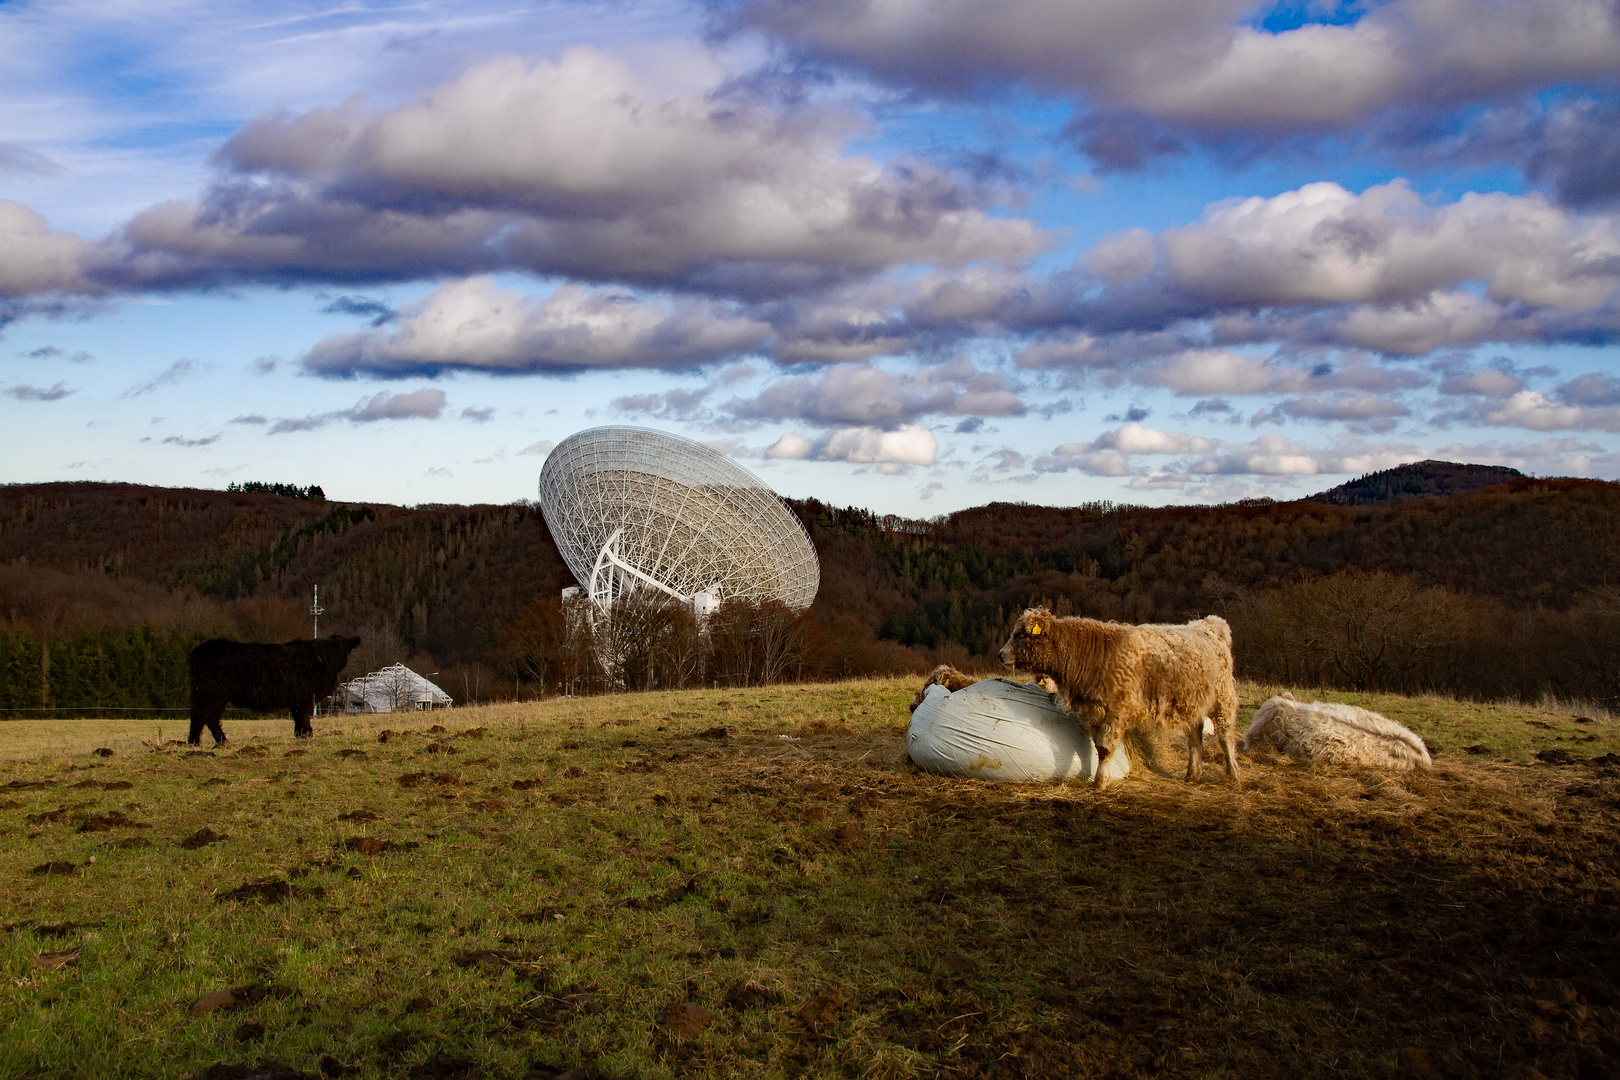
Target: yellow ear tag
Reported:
point(1036, 629)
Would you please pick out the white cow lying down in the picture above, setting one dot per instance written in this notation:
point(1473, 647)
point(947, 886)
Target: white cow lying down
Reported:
point(1343, 734)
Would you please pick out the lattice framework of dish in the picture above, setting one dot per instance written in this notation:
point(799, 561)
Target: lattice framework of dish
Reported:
point(631, 508)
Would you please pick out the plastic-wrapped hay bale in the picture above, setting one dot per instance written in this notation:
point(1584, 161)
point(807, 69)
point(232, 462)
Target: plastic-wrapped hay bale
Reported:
point(998, 729)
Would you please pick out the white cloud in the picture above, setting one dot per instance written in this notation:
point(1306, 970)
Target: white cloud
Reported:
point(1208, 372)
point(1555, 457)
point(1135, 438)
point(909, 444)
point(539, 449)
point(424, 404)
point(36, 259)
point(790, 447)
point(1320, 244)
point(1268, 456)
point(1591, 389)
point(607, 180)
point(175, 373)
point(24, 392)
point(1079, 456)
point(1443, 318)
point(868, 396)
point(1345, 407)
point(1123, 257)
point(1203, 64)
point(1274, 455)
point(1534, 410)
point(1485, 382)
point(471, 324)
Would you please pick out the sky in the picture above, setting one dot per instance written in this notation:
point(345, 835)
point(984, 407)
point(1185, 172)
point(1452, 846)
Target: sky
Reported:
point(910, 255)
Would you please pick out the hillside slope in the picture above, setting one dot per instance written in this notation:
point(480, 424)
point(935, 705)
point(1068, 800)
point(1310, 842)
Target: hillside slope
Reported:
point(445, 579)
point(1528, 567)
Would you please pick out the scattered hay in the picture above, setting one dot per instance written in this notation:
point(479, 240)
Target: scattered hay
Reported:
point(55, 961)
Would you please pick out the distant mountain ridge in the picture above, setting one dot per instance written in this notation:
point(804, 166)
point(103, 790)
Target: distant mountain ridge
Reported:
point(1419, 480)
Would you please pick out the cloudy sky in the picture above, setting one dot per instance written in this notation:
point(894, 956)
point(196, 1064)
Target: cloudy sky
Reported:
point(914, 255)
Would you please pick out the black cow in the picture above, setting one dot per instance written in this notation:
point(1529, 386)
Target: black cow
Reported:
point(264, 677)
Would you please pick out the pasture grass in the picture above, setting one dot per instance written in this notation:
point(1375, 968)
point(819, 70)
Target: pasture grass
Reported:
point(531, 889)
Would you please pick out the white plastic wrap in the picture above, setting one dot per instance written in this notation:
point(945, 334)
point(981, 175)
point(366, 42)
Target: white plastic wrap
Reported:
point(1002, 730)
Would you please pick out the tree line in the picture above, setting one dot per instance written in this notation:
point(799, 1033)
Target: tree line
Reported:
point(1507, 591)
point(136, 669)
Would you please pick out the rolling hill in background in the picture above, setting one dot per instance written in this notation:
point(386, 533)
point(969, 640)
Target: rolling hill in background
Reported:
point(1419, 480)
point(439, 585)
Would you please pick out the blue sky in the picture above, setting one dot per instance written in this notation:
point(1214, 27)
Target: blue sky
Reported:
point(915, 255)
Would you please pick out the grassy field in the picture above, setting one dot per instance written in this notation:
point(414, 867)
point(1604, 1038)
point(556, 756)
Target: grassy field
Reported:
point(757, 883)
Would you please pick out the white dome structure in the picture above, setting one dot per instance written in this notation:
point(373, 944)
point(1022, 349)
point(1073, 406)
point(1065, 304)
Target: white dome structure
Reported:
point(634, 509)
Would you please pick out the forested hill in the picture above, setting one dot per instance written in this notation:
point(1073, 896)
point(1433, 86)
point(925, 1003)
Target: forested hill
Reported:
point(1419, 480)
point(440, 579)
point(1532, 543)
point(445, 582)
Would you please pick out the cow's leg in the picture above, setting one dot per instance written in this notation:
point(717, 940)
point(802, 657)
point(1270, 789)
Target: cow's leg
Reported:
point(205, 713)
point(1226, 727)
point(1098, 720)
point(214, 726)
point(1195, 749)
point(302, 729)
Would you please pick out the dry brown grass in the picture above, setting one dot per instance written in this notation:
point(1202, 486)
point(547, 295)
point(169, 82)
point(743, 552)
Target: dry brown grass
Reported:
point(890, 923)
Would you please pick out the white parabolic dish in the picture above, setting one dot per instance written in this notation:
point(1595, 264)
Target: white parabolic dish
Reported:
point(633, 509)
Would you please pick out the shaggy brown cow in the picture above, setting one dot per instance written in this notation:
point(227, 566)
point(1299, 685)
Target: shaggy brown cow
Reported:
point(264, 677)
point(954, 680)
point(1342, 734)
point(945, 676)
point(1117, 677)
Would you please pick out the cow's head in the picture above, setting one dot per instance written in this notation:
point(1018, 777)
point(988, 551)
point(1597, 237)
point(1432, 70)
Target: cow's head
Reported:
point(335, 651)
point(1030, 645)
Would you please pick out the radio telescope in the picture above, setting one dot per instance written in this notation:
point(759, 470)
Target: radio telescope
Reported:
point(634, 509)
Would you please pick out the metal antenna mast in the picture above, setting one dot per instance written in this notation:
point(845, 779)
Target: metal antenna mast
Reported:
point(315, 609)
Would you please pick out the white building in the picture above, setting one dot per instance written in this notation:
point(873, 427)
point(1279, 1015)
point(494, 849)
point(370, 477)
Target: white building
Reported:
point(393, 689)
